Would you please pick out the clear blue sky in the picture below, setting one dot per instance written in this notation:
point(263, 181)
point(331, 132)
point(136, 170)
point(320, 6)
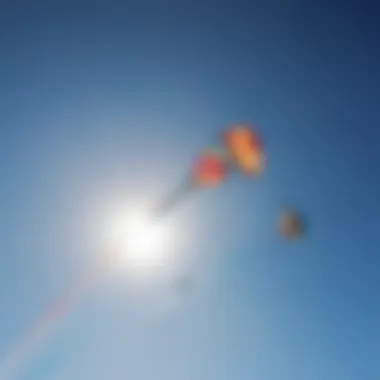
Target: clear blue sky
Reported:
point(100, 100)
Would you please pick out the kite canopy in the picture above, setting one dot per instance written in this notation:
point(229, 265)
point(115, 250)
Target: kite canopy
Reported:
point(292, 225)
point(210, 169)
point(245, 149)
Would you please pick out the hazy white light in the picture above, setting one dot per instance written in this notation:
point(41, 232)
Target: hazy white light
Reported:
point(144, 246)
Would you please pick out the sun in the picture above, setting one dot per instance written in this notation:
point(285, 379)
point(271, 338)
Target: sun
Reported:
point(143, 247)
point(144, 243)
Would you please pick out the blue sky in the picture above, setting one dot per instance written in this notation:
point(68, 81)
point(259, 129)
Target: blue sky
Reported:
point(105, 101)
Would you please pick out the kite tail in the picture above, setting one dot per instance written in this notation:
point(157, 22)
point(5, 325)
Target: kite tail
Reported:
point(170, 202)
point(60, 308)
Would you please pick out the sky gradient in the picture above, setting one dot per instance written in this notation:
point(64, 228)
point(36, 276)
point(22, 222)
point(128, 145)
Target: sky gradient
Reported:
point(106, 102)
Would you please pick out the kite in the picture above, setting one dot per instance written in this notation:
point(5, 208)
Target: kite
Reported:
point(240, 147)
point(245, 149)
point(292, 225)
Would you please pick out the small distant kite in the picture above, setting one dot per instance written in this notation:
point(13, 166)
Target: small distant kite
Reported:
point(292, 224)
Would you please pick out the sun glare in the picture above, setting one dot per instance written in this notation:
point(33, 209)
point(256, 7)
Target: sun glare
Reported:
point(144, 247)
